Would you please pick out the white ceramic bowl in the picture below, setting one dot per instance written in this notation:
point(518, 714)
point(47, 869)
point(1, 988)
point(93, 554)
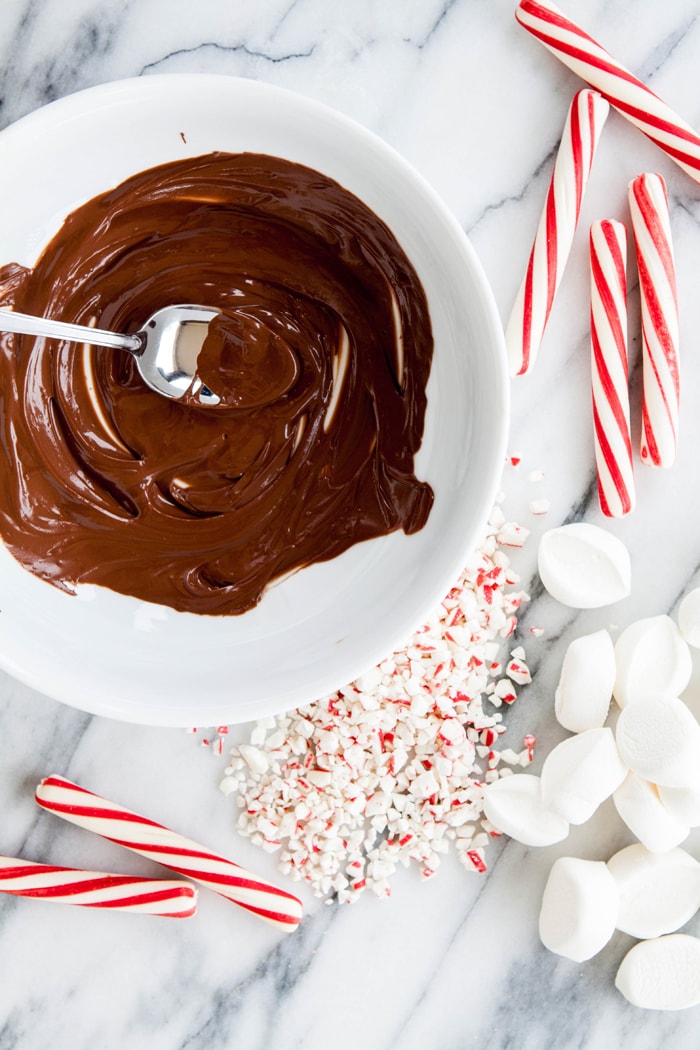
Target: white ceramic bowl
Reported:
point(116, 656)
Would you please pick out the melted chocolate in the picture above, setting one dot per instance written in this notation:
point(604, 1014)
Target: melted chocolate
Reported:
point(247, 360)
point(321, 356)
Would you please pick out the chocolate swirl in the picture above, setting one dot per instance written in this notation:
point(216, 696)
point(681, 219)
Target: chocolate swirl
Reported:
point(322, 352)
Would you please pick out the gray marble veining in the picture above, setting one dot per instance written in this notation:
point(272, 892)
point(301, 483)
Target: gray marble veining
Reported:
point(477, 106)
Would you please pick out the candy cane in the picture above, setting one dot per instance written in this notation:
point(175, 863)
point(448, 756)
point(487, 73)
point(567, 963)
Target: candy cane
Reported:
point(95, 889)
point(556, 229)
point(582, 54)
point(174, 851)
point(609, 373)
point(657, 286)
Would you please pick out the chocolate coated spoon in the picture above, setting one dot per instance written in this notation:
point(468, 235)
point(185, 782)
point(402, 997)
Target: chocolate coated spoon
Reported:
point(166, 348)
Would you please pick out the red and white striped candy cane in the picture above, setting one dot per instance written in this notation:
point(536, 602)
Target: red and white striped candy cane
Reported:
point(556, 230)
point(95, 889)
point(609, 368)
point(660, 330)
point(641, 106)
point(174, 851)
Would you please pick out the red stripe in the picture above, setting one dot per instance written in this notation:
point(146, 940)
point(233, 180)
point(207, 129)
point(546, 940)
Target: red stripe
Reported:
point(242, 881)
point(577, 150)
point(616, 254)
point(21, 871)
point(554, 18)
point(649, 357)
point(552, 245)
point(610, 306)
point(125, 815)
point(658, 124)
point(650, 121)
point(607, 455)
point(273, 916)
point(650, 450)
point(159, 850)
point(146, 898)
point(234, 881)
point(64, 893)
point(92, 813)
point(74, 889)
point(56, 781)
point(603, 65)
point(613, 401)
point(615, 474)
point(660, 327)
point(527, 315)
point(652, 218)
point(612, 396)
point(99, 882)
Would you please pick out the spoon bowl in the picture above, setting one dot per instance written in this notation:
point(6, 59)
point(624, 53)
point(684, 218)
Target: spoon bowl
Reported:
point(166, 348)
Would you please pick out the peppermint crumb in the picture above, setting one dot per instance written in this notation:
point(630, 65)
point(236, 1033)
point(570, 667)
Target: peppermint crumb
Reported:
point(391, 769)
point(512, 535)
point(539, 506)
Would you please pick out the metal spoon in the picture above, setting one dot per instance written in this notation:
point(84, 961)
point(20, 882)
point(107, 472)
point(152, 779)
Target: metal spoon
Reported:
point(166, 348)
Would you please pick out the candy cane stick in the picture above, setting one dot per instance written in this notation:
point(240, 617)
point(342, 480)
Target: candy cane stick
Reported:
point(556, 229)
point(174, 851)
point(609, 373)
point(582, 54)
point(95, 889)
point(657, 286)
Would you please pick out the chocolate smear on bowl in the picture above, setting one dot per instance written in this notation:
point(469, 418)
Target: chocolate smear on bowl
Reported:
point(321, 354)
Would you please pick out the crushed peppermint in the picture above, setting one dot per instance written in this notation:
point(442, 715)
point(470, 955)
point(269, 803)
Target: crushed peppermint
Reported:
point(390, 770)
point(539, 506)
point(512, 535)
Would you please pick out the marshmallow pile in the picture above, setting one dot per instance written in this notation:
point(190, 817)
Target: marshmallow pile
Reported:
point(391, 769)
point(647, 895)
point(650, 765)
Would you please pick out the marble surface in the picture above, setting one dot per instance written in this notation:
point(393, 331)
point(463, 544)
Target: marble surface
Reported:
point(477, 106)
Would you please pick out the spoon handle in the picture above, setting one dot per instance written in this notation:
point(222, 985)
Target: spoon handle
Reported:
point(26, 324)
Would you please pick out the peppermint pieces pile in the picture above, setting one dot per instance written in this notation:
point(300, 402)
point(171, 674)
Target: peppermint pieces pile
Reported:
point(392, 768)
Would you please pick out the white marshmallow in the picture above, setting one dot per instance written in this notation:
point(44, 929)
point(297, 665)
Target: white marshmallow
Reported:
point(579, 908)
point(640, 807)
point(584, 566)
point(514, 805)
point(582, 698)
point(662, 974)
point(659, 892)
point(652, 661)
point(660, 740)
point(580, 773)
point(683, 803)
point(689, 618)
